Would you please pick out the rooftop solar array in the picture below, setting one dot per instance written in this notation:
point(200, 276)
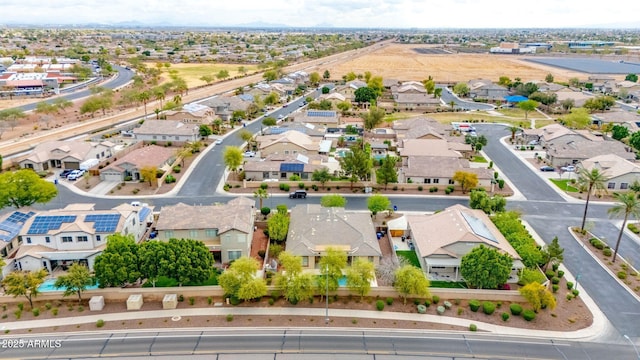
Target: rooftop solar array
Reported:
point(104, 222)
point(479, 227)
point(42, 224)
point(144, 212)
point(289, 167)
point(321, 113)
point(10, 227)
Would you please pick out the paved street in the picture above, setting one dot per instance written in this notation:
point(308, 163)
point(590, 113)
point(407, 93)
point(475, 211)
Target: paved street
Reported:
point(448, 96)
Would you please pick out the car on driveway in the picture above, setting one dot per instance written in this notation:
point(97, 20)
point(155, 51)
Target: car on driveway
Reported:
point(568, 168)
point(547, 168)
point(249, 154)
point(65, 173)
point(298, 194)
point(75, 175)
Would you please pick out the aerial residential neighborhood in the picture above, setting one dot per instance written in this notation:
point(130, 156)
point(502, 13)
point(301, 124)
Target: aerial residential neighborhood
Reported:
point(450, 181)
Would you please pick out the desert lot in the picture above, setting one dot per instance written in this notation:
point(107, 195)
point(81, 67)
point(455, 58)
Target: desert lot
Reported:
point(403, 62)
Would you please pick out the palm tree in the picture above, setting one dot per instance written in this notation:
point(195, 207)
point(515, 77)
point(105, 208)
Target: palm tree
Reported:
point(144, 97)
point(261, 194)
point(514, 130)
point(159, 95)
point(452, 104)
point(628, 204)
point(592, 180)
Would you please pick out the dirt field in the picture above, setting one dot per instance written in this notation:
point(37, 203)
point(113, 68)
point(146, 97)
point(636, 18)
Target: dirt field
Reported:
point(403, 62)
point(192, 73)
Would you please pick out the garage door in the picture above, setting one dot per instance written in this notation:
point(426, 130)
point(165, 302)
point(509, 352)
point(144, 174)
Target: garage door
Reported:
point(112, 177)
point(71, 165)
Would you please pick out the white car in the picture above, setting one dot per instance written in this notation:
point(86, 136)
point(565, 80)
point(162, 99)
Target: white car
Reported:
point(219, 142)
point(569, 168)
point(249, 154)
point(75, 175)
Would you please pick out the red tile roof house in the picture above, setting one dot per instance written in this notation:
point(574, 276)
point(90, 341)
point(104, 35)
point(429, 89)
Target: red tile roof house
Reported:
point(131, 163)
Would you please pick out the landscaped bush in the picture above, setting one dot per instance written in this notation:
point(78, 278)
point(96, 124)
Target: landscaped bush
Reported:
point(169, 179)
point(622, 275)
point(555, 288)
point(447, 305)
point(427, 303)
point(192, 300)
point(389, 301)
point(511, 227)
point(234, 300)
point(435, 299)
point(264, 186)
point(177, 169)
point(380, 305)
point(100, 323)
point(528, 315)
point(474, 305)
point(284, 187)
point(516, 309)
point(560, 273)
point(473, 327)
point(607, 252)
point(433, 189)
point(505, 316)
point(54, 311)
point(440, 310)
point(301, 185)
point(569, 285)
point(229, 318)
point(35, 312)
point(575, 293)
point(271, 301)
point(555, 280)
point(422, 309)
point(488, 307)
point(634, 229)
point(550, 274)
point(596, 243)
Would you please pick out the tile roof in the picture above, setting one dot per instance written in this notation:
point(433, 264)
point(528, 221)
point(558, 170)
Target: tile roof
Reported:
point(428, 147)
point(612, 165)
point(236, 214)
point(166, 127)
point(151, 155)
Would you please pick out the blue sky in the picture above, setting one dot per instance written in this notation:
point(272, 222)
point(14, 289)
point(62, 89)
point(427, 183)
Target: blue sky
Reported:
point(337, 13)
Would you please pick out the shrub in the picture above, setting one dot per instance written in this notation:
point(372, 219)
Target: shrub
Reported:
point(474, 305)
point(488, 307)
point(100, 323)
point(516, 309)
point(209, 300)
point(54, 311)
point(284, 187)
point(271, 301)
point(416, 301)
point(180, 298)
point(420, 187)
point(234, 300)
point(422, 309)
point(560, 273)
point(427, 303)
point(550, 274)
point(440, 310)
point(35, 311)
point(607, 252)
point(555, 266)
point(555, 280)
point(20, 306)
point(380, 305)
point(169, 179)
point(192, 300)
point(435, 299)
point(575, 292)
point(473, 327)
point(569, 297)
point(634, 229)
point(528, 315)
point(262, 253)
point(229, 318)
point(569, 285)
point(264, 186)
point(176, 169)
point(505, 316)
point(389, 301)
point(18, 314)
point(433, 189)
point(555, 288)
point(447, 305)
point(294, 178)
point(301, 185)
point(80, 308)
point(47, 306)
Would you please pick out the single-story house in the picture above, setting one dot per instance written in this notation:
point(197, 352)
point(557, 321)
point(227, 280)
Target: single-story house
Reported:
point(191, 113)
point(66, 154)
point(486, 89)
point(432, 148)
point(289, 142)
point(313, 229)
point(442, 239)
point(167, 130)
point(620, 171)
point(225, 229)
point(130, 164)
point(561, 153)
point(282, 167)
point(318, 117)
point(439, 171)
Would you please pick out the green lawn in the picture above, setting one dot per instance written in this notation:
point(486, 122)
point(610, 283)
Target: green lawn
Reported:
point(448, 284)
point(164, 281)
point(479, 159)
point(562, 185)
point(411, 257)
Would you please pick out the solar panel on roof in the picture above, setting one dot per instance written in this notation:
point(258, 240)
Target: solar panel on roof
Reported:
point(42, 224)
point(321, 113)
point(144, 212)
point(479, 227)
point(289, 167)
point(104, 222)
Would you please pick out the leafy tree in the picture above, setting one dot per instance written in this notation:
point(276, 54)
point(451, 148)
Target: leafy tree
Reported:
point(538, 296)
point(466, 180)
point(387, 172)
point(240, 280)
point(629, 205)
point(489, 204)
point(377, 203)
point(359, 276)
point(526, 89)
point(207, 79)
point(544, 98)
point(278, 226)
point(343, 106)
point(476, 142)
point(578, 118)
point(325, 90)
point(350, 76)
point(245, 135)
point(270, 75)
point(205, 130)
point(222, 74)
point(619, 132)
point(437, 93)
point(156, 259)
point(11, 116)
point(567, 104)
point(634, 140)
point(461, 89)
point(593, 181)
point(148, 173)
point(485, 267)
point(118, 264)
point(553, 253)
point(292, 282)
point(365, 94)
point(62, 103)
point(261, 194)
point(24, 283)
point(269, 121)
point(45, 108)
point(356, 163)
point(233, 157)
point(631, 77)
point(321, 175)
point(549, 78)
point(333, 201)
point(527, 106)
point(376, 84)
point(326, 75)
point(314, 78)
point(24, 188)
point(513, 130)
point(504, 81)
point(373, 118)
point(193, 261)
point(331, 263)
point(429, 85)
point(76, 280)
point(410, 280)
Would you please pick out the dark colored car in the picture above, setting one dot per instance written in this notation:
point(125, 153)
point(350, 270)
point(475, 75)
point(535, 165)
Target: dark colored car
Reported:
point(547, 168)
point(65, 172)
point(298, 194)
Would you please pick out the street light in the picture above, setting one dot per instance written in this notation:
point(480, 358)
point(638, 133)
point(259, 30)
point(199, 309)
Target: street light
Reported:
point(632, 344)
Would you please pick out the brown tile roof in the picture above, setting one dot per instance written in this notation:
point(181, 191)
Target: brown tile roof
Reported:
point(166, 127)
point(152, 155)
point(236, 214)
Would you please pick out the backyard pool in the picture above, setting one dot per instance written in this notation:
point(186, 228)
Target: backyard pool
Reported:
point(342, 282)
point(47, 285)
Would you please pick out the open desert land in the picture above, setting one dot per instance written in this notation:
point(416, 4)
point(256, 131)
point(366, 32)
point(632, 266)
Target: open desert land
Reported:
point(192, 73)
point(404, 62)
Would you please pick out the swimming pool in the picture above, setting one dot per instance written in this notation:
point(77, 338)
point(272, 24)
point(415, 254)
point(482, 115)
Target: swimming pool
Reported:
point(342, 282)
point(48, 285)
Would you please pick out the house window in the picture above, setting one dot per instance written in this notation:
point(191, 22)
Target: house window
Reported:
point(47, 239)
point(82, 238)
point(611, 185)
point(193, 234)
point(168, 234)
point(234, 254)
point(265, 175)
point(28, 240)
point(304, 176)
point(211, 233)
point(624, 186)
point(98, 238)
point(177, 137)
point(286, 152)
point(451, 182)
point(154, 137)
point(67, 239)
point(305, 261)
point(295, 151)
point(283, 175)
point(427, 181)
point(436, 181)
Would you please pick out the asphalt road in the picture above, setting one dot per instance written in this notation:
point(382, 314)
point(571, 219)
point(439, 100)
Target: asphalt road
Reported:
point(317, 343)
point(448, 96)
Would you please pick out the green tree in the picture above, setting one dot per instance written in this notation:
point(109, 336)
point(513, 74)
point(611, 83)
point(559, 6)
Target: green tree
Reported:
point(631, 77)
point(634, 140)
point(619, 132)
point(365, 94)
point(549, 78)
point(377, 203)
point(359, 276)
point(269, 121)
point(62, 103)
point(321, 175)
point(567, 104)
point(240, 279)
point(148, 173)
point(553, 253)
point(24, 283)
point(343, 106)
point(578, 118)
point(544, 98)
point(593, 181)
point(44, 107)
point(192, 261)
point(466, 180)
point(261, 194)
point(270, 75)
point(429, 85)
point(538, 296)
point(156, 259)
point(376, 84)
point(373, 118)
point(118, 263)
point(314, 78)
point(331, 264)
point(333, 201)
point(77, 279)
point(485, 267)
point(233, 157)
point(326, 75)
point(527, 106)
point(222, 74)
point(350, 76)
point(356, 162)
point(525, 89)
point(11, 116)
point(461, 89)
point(629, 205)
point(410, 280)
point(24, 188)
point(437, 93)
point(207, 79)
point(278, 226)
point(489, 204)
point(504, 81)
point(204, 130)
point(292, 282)
point(387, 172)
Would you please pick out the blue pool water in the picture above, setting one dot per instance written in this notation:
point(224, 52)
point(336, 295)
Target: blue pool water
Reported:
point(342, 282)
point(47, 285)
